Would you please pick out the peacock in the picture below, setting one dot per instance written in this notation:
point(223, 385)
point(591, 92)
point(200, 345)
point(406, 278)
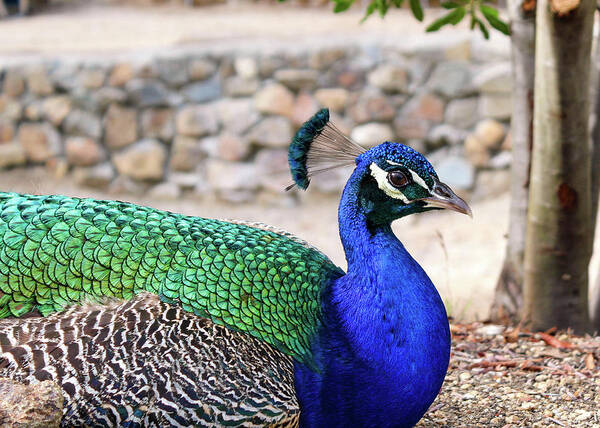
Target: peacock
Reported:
point(151, 318)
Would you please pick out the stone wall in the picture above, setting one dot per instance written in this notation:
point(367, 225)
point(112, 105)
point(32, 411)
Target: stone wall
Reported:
point(219, 122)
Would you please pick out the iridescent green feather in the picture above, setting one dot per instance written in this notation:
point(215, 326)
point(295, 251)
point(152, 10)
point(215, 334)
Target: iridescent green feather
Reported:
point(56, 250)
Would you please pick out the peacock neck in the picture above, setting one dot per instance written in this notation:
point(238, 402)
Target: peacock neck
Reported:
point(384, 347)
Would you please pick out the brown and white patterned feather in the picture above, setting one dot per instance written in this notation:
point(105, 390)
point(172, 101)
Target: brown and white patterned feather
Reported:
point(146, 363)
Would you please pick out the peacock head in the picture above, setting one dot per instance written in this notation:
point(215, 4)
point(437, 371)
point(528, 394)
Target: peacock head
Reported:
point(390, 180)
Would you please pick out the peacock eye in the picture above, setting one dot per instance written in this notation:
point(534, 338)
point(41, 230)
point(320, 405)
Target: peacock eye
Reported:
point(397, 179)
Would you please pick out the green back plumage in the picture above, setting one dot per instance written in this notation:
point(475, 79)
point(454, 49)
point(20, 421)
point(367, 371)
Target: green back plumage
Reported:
point(56, 250)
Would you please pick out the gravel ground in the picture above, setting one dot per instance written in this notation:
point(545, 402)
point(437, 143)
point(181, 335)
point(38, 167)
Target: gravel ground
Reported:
point(512, 378)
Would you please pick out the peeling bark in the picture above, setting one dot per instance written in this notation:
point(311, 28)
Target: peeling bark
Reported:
point(508, 298)
point(559, 224)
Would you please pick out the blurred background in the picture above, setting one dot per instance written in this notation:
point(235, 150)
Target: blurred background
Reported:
point(189, 107)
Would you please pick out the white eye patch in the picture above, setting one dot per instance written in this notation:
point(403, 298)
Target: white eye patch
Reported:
point(416, 178)
point(381, 177)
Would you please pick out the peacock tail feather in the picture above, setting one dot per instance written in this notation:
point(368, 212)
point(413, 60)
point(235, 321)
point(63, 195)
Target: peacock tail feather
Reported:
point(144, 362)
point(57, 250)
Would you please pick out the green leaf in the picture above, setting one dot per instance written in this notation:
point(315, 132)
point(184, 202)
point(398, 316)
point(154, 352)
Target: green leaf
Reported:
point(398, 3)
point(417, 11)
point(486, 33)
point(437, 24)
point(491, 15)
point(369, 12)
point(457, 15)
point(342, 5)
point(454, 17)
point(448, 5)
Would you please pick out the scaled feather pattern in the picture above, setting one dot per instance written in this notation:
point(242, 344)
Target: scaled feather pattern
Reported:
point(58, 250)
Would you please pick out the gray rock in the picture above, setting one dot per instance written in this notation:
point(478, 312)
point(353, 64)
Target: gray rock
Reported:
point(246, 67)
point(501, 161)
point(233, 147)
point(38, 81)
point(108, 95)
point(462, 113)
point(13, 84)
point(147, 93)
point(33, 111)
point(237, 114)
point(495, 106)
point(121, 74)
point(325, 58)
point(83, 151)
point(424, 106)
point(185, 180)
point(268, 64)
point(297, 79)
point(451, 79)
point(389, 78)
point(96, 176)
point(369, 107)
point(305, 106)
point(476, 152)
point(275, 99)
point(201, 92)
point(226, 177)
point(444, 134)
point(56, 108)
point(80, 122)
point(273, 132)
point(410, 129)
point(12, 154)
point(39, 140)
point(456, 172)
point(85, 100)
point(173, 71)
point(92, 78)
point(236, 86)
point(120, 124)
point(186, 154)
point(10, 108)
point(165, 191)
point(335, 99)
point(494, 78)
point(371, 134)
point(144, 160)
point(332, 181)
point(196, 121)
point(64, 76)
point(201, 68)
point(272, 167)
point(158, 123)
point(7, 130)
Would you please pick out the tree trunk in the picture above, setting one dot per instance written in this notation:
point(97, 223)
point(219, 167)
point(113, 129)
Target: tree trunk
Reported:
point(558, 238)
point(508, 297)
point(595, 295)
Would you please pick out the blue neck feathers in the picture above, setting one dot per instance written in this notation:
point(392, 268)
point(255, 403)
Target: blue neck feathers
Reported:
point(384, 346)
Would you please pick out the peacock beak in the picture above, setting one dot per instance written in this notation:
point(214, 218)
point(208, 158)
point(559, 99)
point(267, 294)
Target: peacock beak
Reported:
point(444, 197)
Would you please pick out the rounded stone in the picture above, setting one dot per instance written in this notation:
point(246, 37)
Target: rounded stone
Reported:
point(144, 160)
point(371, 134)
point(83, 151)
point(120, 125)
point(275, 99)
